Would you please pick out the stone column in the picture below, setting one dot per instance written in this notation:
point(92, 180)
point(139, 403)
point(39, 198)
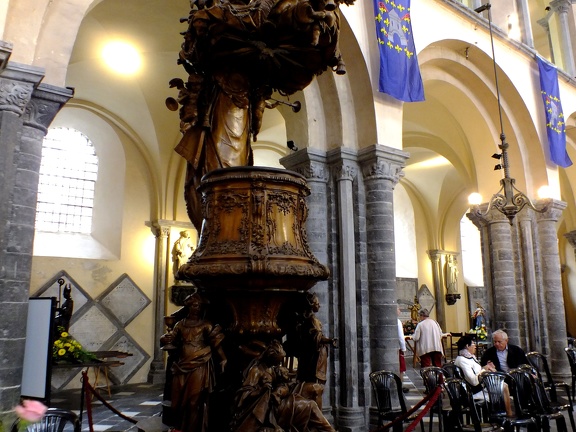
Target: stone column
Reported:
point(438, 279)
point(311, 163)
point(344, 169)
point(523, 276)
point(525, 24)
point(382, 169)
point(499, 269)
point(26, 110)
point(562, 8)
point(551, 287)
point(530, 315)
point(543, 22)
point(162, 233)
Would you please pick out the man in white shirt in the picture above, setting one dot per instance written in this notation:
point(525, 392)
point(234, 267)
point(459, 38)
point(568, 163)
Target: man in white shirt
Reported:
point(428, 338)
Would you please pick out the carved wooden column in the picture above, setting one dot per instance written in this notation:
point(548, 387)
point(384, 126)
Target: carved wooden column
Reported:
point(162, 233)
point(26, 110)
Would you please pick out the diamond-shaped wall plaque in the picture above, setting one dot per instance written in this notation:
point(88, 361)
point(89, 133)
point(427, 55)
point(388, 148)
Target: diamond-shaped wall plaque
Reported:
point(124, 300)
point(93, 329)
point(133, 363)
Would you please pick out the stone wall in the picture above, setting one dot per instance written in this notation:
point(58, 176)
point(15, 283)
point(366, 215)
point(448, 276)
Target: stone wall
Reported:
point(26, 109)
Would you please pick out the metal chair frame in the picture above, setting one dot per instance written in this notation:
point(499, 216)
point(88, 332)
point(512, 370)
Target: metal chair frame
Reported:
point(571, 353)
point(493, 383)
point(463, 404)
point(452, 371)
point(433, 377)
point(533, 399)
point(55, 420)
point(540, 363)
point(383, 383)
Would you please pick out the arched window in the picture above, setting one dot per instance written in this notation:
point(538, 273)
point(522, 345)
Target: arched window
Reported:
point(68, 174)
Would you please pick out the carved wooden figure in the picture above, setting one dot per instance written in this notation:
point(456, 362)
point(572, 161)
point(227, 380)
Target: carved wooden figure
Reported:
point(193, 374)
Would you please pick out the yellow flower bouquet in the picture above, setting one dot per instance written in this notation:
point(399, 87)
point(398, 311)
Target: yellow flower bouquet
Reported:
point(481, 332)
point(66, 349)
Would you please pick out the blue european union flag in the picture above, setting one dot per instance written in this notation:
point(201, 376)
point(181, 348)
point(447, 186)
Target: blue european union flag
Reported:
point(555, 126)
point(399, 71)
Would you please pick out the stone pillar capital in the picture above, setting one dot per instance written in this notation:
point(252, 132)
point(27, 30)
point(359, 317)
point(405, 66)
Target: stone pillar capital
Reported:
point(481, 216)
point(383, 163)
point(159, 229)
point(571, 237)
point(343, 164)
point(554, 209)
point(309, 162)
point(17, 82)
point(561, 6)
point(544, 23)
point(45, 103)
point(435, 255)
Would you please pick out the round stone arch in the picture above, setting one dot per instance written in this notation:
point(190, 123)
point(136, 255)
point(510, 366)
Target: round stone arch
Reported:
point(470, 70)
point(46, 31)
point(337, 110)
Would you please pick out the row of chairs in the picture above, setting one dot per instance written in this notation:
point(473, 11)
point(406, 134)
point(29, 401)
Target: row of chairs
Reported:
point(536, 401)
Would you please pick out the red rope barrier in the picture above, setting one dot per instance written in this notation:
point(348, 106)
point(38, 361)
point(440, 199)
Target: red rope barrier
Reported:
point(429, 399)
point(88, 399)
point(91, 390)
point(426, 409)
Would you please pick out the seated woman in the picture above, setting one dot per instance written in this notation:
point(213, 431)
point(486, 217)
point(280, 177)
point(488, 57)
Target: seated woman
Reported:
point(471, 369)
point(470, 366)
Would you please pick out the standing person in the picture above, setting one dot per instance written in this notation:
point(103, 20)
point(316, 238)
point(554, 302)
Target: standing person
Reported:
point(402, 349)
point(428, 338)
point(505, 356)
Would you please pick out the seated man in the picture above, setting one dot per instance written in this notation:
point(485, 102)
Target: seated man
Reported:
point(505, 356)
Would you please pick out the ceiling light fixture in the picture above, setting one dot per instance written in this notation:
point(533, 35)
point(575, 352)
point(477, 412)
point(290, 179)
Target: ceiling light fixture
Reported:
point(121, 57)
point(508, 200)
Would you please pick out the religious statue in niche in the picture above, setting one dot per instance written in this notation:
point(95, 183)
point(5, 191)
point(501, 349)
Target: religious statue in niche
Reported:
point(181, 252)
point(237, 54)
point(414, 309)
point(269, 400)
point(451, 279)
point(195, 340)
point(65, 310)
point(479, 316)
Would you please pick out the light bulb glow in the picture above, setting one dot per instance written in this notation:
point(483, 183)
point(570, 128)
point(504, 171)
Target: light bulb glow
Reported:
point(474, 198)
point(544, 192)
point(121, 57)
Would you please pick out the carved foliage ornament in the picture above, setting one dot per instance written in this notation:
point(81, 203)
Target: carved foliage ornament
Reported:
point(40, 114)
point(14, 96)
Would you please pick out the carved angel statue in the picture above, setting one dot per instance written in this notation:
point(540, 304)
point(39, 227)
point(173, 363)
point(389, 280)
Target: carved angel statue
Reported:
point(237, 53)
